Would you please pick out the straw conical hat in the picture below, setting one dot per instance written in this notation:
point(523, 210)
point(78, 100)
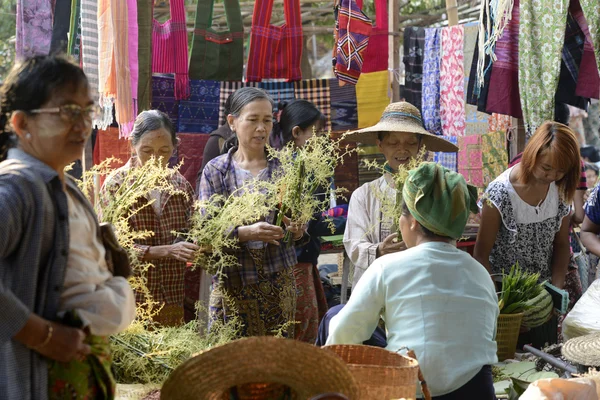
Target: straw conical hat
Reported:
point(402, 117)
point(583, 350)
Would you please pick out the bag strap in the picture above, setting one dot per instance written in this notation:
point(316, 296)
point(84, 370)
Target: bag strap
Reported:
point(381, 13)
point(261, 15)
point(233, 13)
point(291, 11)
point(176, 11)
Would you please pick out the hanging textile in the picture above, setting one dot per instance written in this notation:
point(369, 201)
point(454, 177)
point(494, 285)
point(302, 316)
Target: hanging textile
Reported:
point(191, 150)
point(371, 97)
point(447, 160)
point(133, 61)
point(344, 116)
point(275, 51)
point(74, 49)
point(414, 47)
point(503, 92)
point(200, 114)
point(217, 55)
point(89, 54)
point(279, 92)
point(317, 92)
point(376, 54)
point(352, 31)
point(591, 10)
point(170, 48)
point(470, 160)
point(226, 90)
point(144, 91)
point(572, 53)
point(346, 174)
point(541, 37)
point(431, 82)
point(34, 28)
point(59, 44)
point(494, 155)
point(476, 123)
point(452, 82)
point(114, 68)
point(110, 145)
point(163, 97)
point(588, 82)
point(499, 122)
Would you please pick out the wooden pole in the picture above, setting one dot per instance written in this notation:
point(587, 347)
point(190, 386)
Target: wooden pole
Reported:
point(394, 48)
point(452, 12)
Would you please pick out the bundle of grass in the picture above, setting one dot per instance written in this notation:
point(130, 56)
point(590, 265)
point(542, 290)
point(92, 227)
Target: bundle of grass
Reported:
point(519, 287)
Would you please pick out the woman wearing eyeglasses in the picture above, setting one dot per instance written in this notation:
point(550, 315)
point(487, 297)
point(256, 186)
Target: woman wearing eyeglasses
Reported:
point(59, 300)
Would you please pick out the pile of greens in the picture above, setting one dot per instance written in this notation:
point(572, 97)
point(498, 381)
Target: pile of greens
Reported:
point(518, 288)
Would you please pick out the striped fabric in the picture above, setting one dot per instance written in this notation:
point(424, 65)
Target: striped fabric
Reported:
point(414, 47)
point(279, 91)
point(89, 52)
point(275, 51)
point(317, 92)
point(376, 54)
point(170, 48)
point(163, 97)
point(200, 114)
point(352, 31)
point(344, 116)
point(74, 46)
point(226, 90)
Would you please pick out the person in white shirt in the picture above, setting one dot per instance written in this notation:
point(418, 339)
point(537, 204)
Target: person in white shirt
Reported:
point(433, 297)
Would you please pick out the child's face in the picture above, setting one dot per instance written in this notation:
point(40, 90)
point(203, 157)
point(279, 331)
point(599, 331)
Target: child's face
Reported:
point(591, 177)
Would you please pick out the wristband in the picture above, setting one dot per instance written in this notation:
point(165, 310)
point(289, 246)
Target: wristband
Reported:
point(47, 340)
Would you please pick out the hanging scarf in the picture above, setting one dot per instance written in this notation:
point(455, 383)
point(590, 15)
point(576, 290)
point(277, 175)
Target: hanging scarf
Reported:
point(170, 48)
point(452, 82)
point(75, 29)
point(133, 63)
point(431, 82)
point(114, 69)
point(591, 10)
point(414, 46)
point(476, 123)
point(541, 38)
point(588, 82)
point(144, 96)
point(34, 28)
point(89, 54)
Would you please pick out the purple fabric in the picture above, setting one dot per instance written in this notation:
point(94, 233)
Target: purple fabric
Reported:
point(163, 97)
point(34, 28)
point(430, 99)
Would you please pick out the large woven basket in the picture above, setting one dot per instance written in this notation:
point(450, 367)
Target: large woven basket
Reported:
point(381, 374)
point(507, 335)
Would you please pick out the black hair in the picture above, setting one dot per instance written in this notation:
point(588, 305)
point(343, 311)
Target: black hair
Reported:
point(244, 96)
point(29, 85)
point(298, 112)
point(152, 120)
point(426, 232)
point(590, 152)
point(562, 113)
point(593, 167)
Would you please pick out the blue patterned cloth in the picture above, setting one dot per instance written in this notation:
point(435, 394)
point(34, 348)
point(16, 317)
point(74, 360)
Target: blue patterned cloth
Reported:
point(200, 114)
point(448, 160)
point(431, 81)
point(163, 96)
point(592, 206)
point(279, 91)
point(344, 109)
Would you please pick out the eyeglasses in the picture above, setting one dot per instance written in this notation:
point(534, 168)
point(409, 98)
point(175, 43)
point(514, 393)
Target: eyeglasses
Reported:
point(72, 112)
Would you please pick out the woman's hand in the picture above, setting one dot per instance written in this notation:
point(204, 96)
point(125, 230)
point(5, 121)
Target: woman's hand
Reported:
point(261, 231)
point(295, 228)
point(67, 344)
point(183, 251)
point(390, 245)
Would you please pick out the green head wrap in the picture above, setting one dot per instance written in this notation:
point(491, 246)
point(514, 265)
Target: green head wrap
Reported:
point(439, 199)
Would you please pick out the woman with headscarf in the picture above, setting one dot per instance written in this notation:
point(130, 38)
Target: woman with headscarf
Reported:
point(434, 298)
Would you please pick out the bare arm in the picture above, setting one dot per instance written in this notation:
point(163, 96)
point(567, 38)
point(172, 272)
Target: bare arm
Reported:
point(577, 217)
point(561, 254)
point(589, 236)
point(486, 237)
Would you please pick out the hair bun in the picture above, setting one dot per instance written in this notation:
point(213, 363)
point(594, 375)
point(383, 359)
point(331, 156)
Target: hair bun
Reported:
point(281, 105)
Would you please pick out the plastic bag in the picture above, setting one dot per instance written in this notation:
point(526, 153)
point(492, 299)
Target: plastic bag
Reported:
point(584, 318)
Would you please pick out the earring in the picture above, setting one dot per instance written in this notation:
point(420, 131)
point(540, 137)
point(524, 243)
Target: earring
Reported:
point(28, 136)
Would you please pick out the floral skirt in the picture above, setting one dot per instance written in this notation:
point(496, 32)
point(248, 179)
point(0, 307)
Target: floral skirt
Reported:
point(90, 379)
point(311, 303)
point(265, 308)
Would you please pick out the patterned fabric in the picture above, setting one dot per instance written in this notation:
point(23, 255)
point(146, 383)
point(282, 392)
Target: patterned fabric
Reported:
point(311, 303)
point(144, 94)
point(494, 155)
point(499, 122)
point(447, 160)
point(503, 93)
point(371, 97)
point(476, 122)
point(89, 52)
point(344, 116)
point(352, 31)
point(217, 55)
point(427, 193)
point(431, 82)
point(525, 236)
point(592, 206)
point(541, 37)
point(200, 114)
point(317, 92)
point(452, 82)
point(191, 151)
point(376, 54)
point(588, 82)
point(163, 97)
point(75, 39)
point(470, 159)
point(34, 28)
point(591, 9)
point(170, 48)
point(414, 47)
point(134, 69)
point(227, 89)
point(166, 280)
point(279, 91)
point(109, 145)
point(265, 308)
point(275, 52)
point(219, 176)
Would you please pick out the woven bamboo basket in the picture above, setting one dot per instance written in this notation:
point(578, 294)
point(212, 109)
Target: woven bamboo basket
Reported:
point(507, 335)
point(381, 374)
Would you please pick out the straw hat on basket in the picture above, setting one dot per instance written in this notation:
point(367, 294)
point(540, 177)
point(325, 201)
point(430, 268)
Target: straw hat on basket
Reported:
point(260, 365)
point(583, 350)
point(402, 117)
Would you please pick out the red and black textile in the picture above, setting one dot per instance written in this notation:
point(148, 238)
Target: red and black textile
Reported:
point(376, 55)
point(190, 151)
point(352, 31)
